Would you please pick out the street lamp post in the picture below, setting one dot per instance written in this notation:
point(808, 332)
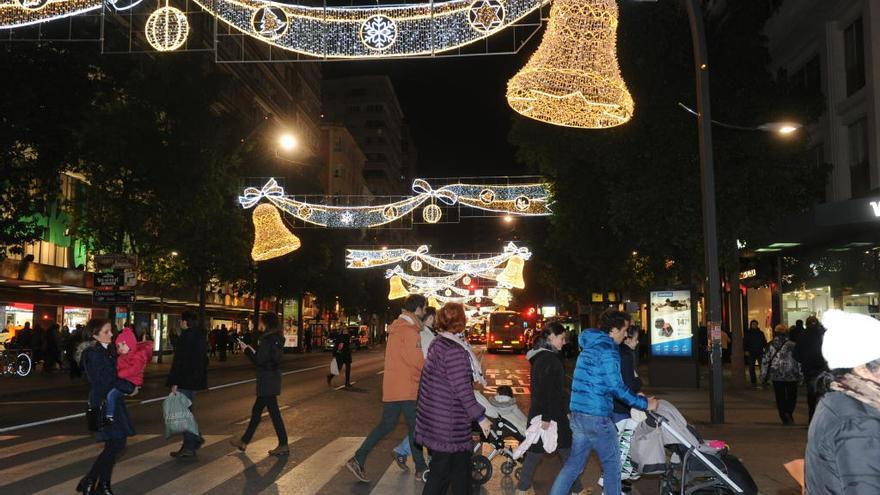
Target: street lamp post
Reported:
point(710, 230)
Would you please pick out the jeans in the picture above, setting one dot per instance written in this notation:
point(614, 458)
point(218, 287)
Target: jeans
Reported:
point(102, 468)
point(269, 402)
point(753, 360)
point(530, 464)
point(110, 406)
point(191, 441)
point(390, 414)
point(403, 447)
point(449, 470)
point(591, 433)
point(786, 398)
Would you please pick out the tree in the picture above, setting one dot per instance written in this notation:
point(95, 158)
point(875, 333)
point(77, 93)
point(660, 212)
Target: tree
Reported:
point(36, 114)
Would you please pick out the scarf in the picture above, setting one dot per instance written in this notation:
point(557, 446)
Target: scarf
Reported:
point(476, 368)
point(860, 389)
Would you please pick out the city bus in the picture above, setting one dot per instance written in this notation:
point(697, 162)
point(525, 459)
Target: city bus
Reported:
point(506, 332)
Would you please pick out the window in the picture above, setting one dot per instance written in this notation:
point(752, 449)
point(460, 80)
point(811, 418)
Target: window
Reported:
point(859, 173)
point(375, 108)
point(374, 124)
point(854, 56)
point(353, 109)
point(808, 77)
point(356, 92)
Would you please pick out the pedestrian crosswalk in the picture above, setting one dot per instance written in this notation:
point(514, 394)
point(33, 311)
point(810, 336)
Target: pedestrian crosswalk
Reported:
point(53, 465)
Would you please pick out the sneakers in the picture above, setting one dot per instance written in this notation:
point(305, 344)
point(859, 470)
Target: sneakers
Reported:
point(400, 460)
point(107, 421)
point(357, 470)
point(280, 451)
point(235, 442)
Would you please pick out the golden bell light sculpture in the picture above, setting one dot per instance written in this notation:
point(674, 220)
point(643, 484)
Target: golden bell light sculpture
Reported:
point(433, 303)
point(573, 78)
point(512, 274)
point(397, 290)
point(502, 298)
point(271, 237)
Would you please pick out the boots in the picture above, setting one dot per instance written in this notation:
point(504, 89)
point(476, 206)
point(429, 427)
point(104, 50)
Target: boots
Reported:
point(280, 450)
point(103, 488)
point(241, 446)
point(86, 486)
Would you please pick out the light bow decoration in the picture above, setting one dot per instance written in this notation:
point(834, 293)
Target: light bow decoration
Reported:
point(573, 78)
point(354, 31)
point(521, 199)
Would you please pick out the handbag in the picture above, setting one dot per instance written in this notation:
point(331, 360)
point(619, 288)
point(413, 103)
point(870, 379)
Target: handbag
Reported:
point(95, 417)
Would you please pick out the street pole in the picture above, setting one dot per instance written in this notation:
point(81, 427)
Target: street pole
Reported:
point(710, 234)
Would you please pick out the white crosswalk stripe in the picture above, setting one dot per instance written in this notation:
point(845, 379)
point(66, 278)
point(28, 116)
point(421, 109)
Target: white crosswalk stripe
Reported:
point(18, 472)
point(3, 438)
point(214, 473)
point(310, 476)
point(131, 467)
point(36, 444)
point(398, 481)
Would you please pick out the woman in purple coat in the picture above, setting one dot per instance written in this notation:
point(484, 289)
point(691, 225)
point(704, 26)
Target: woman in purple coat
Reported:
point(447, 407)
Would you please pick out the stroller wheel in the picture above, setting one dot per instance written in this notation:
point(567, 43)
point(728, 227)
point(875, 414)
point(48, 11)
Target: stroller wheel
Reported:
point(507, 467)
point(481, 469)
point(517, 473)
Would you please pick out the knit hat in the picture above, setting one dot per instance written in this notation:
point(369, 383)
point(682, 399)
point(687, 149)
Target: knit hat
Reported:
point(851, 339)
point(127, 336)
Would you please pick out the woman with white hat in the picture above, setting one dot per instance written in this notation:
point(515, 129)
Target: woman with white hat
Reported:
point(844, 437)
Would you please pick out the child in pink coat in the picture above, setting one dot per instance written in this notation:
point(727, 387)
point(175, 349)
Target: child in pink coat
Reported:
point(130, 363)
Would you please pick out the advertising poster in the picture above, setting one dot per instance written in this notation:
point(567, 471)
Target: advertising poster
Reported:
point(671, 323)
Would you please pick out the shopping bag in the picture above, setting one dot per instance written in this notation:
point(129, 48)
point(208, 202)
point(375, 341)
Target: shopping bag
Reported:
point(178, 417)
point(625, 430)
point(795, 468)
point(334, 367)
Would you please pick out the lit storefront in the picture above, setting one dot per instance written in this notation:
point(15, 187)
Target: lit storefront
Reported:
point(76, 316)
point(15, 315)
point(801, 304)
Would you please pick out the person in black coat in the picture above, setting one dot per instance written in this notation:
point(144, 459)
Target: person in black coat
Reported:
point(189, 372)
point(808, 352)
point(549, 400)
point(628, 372)
point(342, 353)
point(267, 358)
point(98, 360)
point(223, 342)
point(754, 343)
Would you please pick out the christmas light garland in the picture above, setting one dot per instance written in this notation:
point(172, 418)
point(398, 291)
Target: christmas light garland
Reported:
point(370, 258)
point(19, 13)
point(520, 199)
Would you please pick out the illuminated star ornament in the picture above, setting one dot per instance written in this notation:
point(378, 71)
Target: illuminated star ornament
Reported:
point(486, 15)
point(526, 199)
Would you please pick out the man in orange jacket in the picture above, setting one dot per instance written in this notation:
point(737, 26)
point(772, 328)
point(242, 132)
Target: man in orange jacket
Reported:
point(400, 384)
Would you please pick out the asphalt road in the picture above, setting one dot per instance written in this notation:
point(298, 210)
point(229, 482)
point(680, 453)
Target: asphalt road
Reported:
point(325, 426)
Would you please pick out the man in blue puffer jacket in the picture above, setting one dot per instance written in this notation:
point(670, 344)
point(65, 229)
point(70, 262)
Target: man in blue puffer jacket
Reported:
point(597, 382)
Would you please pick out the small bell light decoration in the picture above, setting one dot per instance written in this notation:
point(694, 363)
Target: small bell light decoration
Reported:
point(271, 237)
point(573, 78)
point(397, 290)
point(512, 274)
point(433, 303)
point(502, 298)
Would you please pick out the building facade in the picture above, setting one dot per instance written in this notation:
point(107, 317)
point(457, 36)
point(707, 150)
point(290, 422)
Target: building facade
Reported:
point(827, 258)
point(368, 107)
point(342, 161)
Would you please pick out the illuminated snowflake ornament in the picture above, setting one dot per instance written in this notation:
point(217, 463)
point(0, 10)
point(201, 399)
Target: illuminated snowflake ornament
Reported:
point(378, 32)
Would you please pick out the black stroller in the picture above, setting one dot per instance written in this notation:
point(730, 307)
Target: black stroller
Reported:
point(502, 429)
point(699, 469)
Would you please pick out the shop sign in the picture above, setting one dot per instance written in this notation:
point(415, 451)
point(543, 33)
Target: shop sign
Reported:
point(672, 317)
point(113, 296)
point(875, 207)
point(115, 262)
point(748, 274)
point(118, 278)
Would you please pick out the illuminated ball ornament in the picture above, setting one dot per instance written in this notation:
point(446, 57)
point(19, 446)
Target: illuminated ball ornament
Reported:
point(271, 237)
point(573, 78)
point(466, 280)
point(416, 265)
point(432, 213)
point(167, 28)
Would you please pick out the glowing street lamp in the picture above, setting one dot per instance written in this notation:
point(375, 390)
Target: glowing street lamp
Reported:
point(287, 142)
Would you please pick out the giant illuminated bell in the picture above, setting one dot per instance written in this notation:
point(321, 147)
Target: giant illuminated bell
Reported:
point(573, 79)
point(512, 274)
point(271, 237)
point(397, 290)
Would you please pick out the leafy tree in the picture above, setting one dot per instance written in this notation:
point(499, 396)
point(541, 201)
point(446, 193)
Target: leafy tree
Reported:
point(36, 113)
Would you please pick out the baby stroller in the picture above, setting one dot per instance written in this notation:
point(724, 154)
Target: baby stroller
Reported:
point(508, 422)
point(665, 444)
